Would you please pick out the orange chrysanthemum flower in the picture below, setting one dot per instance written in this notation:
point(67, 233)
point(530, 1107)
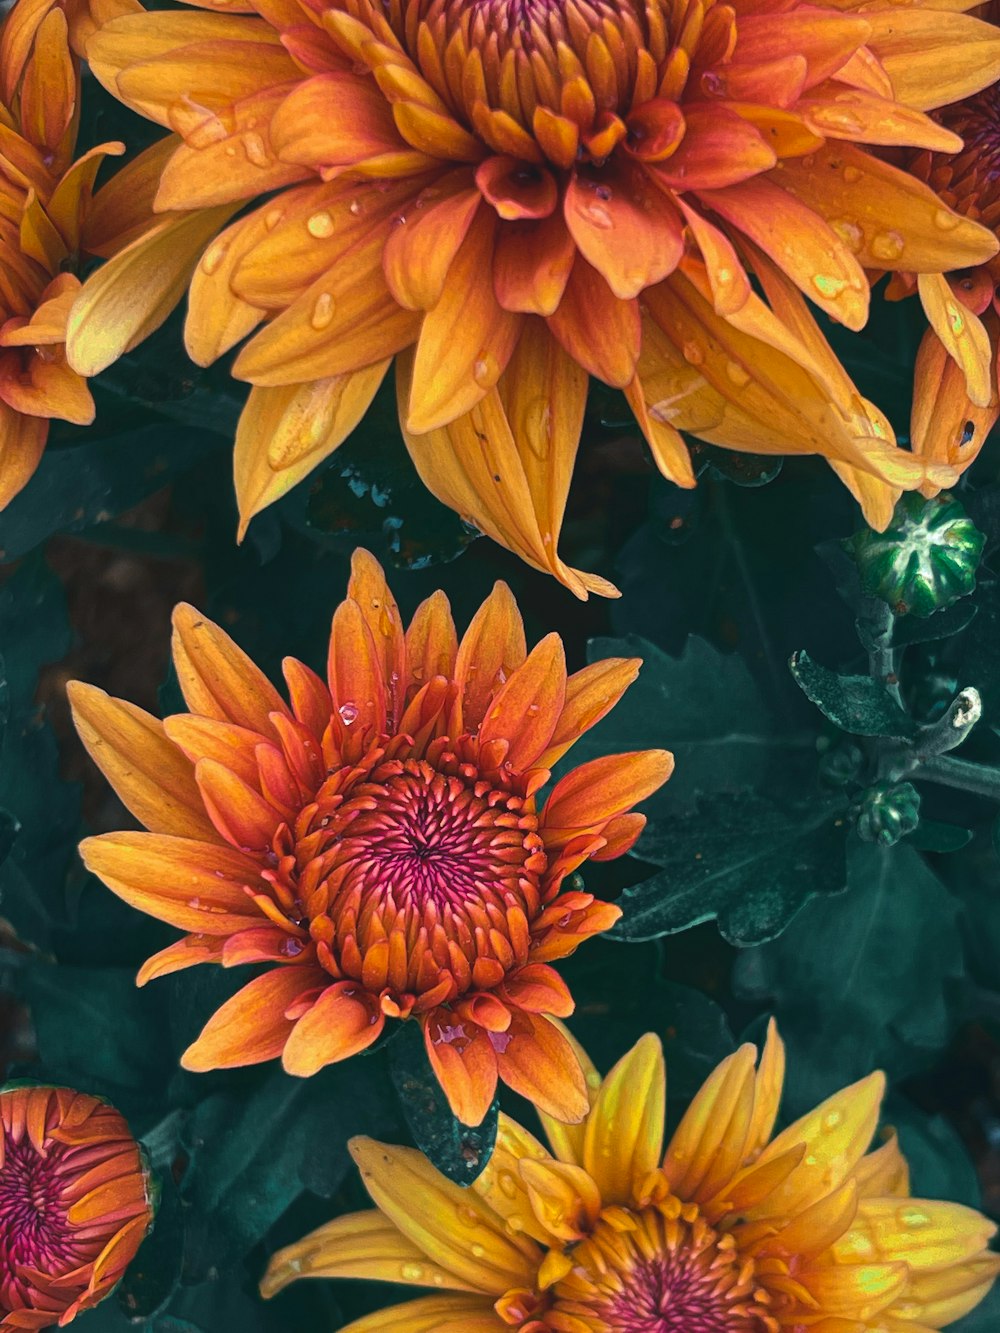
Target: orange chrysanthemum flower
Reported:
point(729, 1231)
point(378, 841)
point(74, 1205)
point(508, 194)
point(956, 400)
point(46, 223)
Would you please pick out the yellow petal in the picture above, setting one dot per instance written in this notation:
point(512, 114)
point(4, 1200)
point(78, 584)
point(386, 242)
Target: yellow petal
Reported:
point(216, 676)
point(708, 1146)
point(135, 291)
point(934, 58)
point(858, 1291)
point(961, 333)
point(624, 1131)
point(836, 1134)
point(941, 1298)
point(564, 1198)
point(567, 1140)
point(501, 1186)
point(359, 1245)
point(451, 1225)
point(286, 432)
point(919, 1232)
point(433, 1314)
point(768, 1085)
point(883, 1172)
point(152, 778)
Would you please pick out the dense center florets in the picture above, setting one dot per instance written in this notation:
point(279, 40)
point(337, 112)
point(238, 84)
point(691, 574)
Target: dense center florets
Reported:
point(417, 872)
point(661, 1274)
point(34, 1232)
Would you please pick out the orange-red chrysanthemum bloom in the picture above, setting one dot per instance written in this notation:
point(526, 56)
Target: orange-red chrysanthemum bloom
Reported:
point(508, 194)
point(46, 222)
point(955, 400)
point(725, 1229)
point(74, 1204)
point(377, 841)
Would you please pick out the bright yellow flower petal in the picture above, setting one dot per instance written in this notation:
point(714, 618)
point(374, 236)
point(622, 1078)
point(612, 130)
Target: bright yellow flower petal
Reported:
point(501, 1185)
point(708, 1145)
point(366, 1246)
point(451, 1224)
point(564, 1198)
point(920, 1232)
point(624, 1135)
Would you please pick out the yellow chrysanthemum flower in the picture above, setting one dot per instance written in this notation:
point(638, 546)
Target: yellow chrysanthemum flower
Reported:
point(730, 1231)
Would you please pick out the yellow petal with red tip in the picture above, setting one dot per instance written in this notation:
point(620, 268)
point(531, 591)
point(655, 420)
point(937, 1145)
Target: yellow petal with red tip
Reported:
point(153, 779)
point(452, 1226)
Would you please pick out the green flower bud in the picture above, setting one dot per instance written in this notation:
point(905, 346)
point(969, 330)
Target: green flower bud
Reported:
point(841, 764)
point(926, 558)
point(887, 812)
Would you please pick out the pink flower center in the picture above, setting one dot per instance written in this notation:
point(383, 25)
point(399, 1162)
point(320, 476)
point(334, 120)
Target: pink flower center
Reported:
point(34, 1231)
point(665, 1275)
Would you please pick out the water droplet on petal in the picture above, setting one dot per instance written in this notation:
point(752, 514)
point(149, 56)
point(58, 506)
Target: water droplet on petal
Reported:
point(694, 353)
point(887, 245)
point(213, 257)
point(829, 286)
point(348, 713)
point(737, 374)
point(322, 314)
point(946, 220)
point(485, 370)
point(320, 225)
point(256, 150)
point(850, 233)
point(411, 1272)
point(852, 175)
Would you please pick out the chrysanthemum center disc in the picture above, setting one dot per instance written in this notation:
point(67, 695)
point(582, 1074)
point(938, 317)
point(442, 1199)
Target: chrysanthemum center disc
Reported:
point(665, 1275)
point(430, 873)
point(514, 56)
point(34, 1232)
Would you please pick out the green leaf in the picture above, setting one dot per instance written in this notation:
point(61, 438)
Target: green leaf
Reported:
point(933, 836)
point(75, 489)
point(864, 981)
point(256, 1146)
point(859, 705)
point(942, 625)
point(704, 706)
point(738, 860)
point(940, 1168)
point(458, 1151)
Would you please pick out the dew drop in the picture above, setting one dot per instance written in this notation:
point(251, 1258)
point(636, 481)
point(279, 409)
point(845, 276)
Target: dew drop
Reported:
point(348, 713)
point(478, 1252)
point(320, 225)
point(828, 286)
point(356, 208)
point(737, 374)
point(693, 353)
point(213, 257)
point(322, 314)
point(913, 1217)
point(256, 150)
point(956, 320)
point(887, 245)
point(508, 1184)
point(850, 233)
point(852, 175)
point(599, 216)
point(485, 370)
point(411, 1272)
point(832, 1120)
point(946, 220)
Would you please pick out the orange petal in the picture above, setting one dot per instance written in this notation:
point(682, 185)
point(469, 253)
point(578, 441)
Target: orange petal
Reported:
point(719, 149)
point(342, 1022)
point(525, 709)
point(287, 431)
point(935, 58)
point(451, 374)
point(369, 589)
point(217, 678)
point(945, 426)
point(431, 641)
point(532, 264)
point(49, 389)
point(624, 226)
point(537, 1061)
point(893, 219)
point(491, 649)
point(539, 989)
point(464, 1063)
point(800, 243)
point(152, 778)
point(188, 952)
point(597, 329)
point(354, 672)
point(590, 695)
point(426, 238)
point(595, 792)
point(962, 335)
point(251, 1026)
point(122, 210)
point(238, 811)
point(217, 319)
point(195, 886)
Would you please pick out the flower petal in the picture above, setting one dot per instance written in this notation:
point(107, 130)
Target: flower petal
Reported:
point(251, 1026)
point(216, 676)
point(525, 709)
point(709, 1144)
point(537, 1061)
point(453, 1225)
point(464, 1063)
point(597, 329)
point(624, 1137)
point(962, 335)
point(343, 1021)
point(195, 886)
point(491, 649)
point(590, 795)
point(590, 695)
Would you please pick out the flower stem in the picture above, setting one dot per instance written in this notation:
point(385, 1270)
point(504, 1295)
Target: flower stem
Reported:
point(979, 779)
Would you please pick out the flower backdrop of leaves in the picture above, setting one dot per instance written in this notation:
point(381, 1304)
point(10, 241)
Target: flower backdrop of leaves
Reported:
point(827, 850)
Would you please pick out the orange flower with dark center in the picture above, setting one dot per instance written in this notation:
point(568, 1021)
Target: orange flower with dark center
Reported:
point(508, 196)
point(74, 1205)
point(378, 842)
point(956, 400)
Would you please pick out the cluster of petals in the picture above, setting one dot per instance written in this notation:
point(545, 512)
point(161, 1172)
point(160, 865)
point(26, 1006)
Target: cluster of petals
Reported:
point(507, 196)
point(605, 1232)
point(74, 1205)
point(955, 396)
point(48, 220)
point(377, 841)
